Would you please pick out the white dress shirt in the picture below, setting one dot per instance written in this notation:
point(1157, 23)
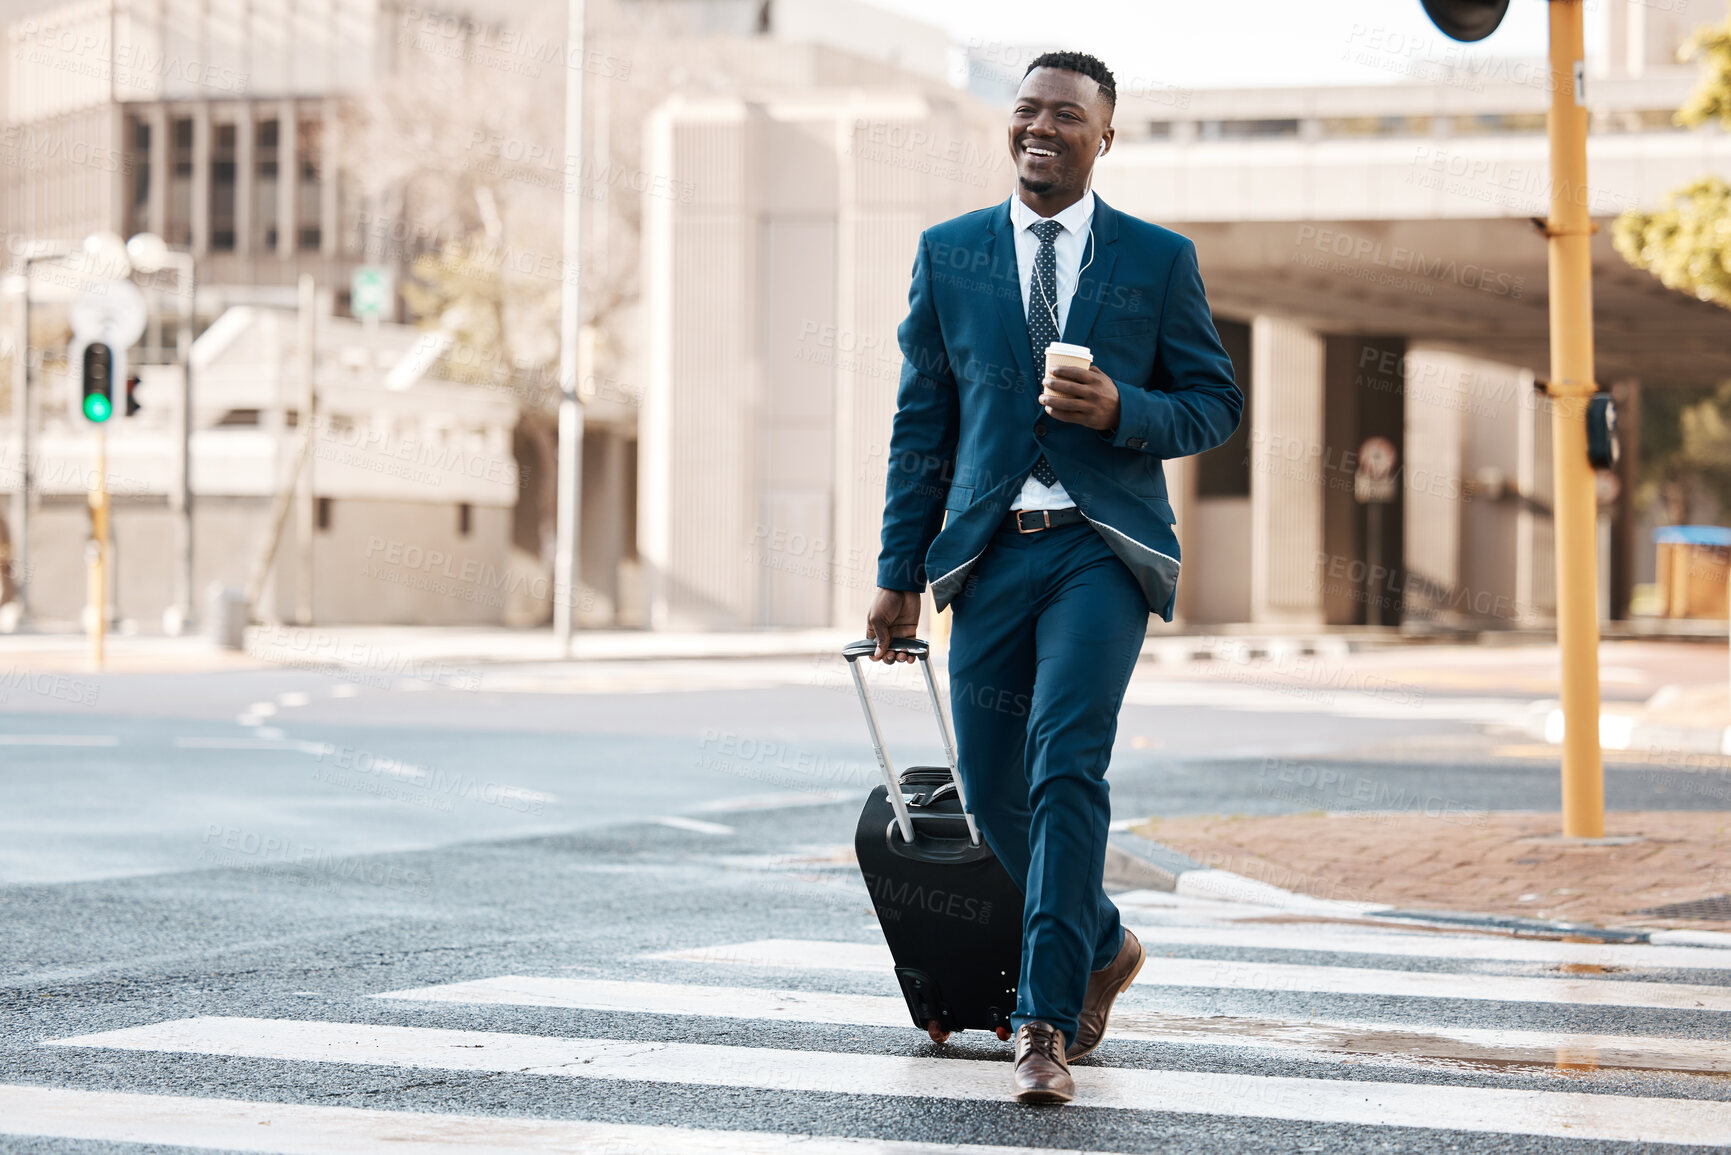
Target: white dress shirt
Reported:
point(1070, 245)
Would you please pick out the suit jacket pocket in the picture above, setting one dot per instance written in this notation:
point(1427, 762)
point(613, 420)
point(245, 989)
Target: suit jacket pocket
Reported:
point(961, 496)
point(1126, 327)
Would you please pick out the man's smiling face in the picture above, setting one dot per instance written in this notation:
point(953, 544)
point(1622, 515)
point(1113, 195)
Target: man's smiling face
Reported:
point(1056, 128)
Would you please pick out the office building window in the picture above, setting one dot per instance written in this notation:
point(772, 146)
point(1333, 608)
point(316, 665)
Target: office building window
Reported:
point(1245, 129)
point(1225, 471)
point(138, 208)
point(1498, 124)
point(307, 190)
point(1371, 126)
point(222, 188)
point(179, 181)
point(264, 184)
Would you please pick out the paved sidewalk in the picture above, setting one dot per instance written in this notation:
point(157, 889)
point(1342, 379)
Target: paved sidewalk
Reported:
point(1505, 864)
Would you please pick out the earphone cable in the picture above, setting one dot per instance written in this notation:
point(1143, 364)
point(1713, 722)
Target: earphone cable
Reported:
point(1040, 282)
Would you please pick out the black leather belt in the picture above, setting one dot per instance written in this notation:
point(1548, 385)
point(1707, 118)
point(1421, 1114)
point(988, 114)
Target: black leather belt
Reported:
point(1035, 520)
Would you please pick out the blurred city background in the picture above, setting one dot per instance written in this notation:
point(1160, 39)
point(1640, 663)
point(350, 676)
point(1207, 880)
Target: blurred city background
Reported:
point(753, 175)
point(337, 814)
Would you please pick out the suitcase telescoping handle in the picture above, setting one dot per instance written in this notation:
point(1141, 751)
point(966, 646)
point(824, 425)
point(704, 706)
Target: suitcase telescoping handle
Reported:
point(853, 652)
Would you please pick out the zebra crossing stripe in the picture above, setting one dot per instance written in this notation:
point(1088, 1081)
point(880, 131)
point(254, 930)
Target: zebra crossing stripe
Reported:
point(1263, 976)
point(1354, 1102)
point(668, 999)
point(1310, 1035)
point(1390, 1040)
point(1440, 946)
point(297, 1129)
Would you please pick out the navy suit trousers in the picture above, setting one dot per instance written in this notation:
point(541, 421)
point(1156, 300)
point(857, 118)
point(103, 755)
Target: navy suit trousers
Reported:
point(1044, 637)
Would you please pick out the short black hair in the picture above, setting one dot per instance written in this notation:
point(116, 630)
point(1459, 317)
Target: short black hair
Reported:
point(1090, 66)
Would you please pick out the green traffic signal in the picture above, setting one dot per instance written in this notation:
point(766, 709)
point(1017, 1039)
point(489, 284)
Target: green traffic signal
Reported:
point(98, 374)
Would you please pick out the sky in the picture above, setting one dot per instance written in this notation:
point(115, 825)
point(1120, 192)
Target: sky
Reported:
point(1233, 43)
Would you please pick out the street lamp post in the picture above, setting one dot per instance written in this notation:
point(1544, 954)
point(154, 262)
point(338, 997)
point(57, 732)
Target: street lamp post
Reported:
point(149, 253)
point(21, 414)
point(567, 523)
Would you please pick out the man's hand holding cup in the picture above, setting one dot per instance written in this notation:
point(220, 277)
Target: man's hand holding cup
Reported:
point(1073, 390)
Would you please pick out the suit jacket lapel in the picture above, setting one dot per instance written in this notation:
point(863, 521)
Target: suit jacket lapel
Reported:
point(1006, 289)
point(1092, 287)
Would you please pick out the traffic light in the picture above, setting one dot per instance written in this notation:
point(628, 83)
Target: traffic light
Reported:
point(1466, 20)
point(96, 374)
point(105, 388)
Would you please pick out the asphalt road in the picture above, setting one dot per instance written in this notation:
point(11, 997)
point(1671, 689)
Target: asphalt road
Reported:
point(206, 883)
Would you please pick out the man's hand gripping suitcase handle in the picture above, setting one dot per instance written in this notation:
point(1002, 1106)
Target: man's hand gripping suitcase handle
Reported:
point(895, 614)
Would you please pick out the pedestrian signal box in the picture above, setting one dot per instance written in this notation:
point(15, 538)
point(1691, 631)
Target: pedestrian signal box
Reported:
point(1602, 448)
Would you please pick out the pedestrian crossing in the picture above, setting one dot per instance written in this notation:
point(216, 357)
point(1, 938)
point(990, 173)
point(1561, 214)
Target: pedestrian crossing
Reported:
point(1307, 1056)
point(1349, 1101)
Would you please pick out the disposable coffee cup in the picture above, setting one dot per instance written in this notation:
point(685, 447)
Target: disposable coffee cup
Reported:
point(1075, 356)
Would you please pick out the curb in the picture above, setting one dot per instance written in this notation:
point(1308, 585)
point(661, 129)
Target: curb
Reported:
point(1136, 861)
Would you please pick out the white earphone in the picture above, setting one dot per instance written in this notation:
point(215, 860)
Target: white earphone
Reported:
point(1102, 151)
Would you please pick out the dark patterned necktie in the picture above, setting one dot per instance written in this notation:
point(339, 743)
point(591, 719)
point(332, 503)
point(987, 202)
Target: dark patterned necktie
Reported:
point(1042, 319)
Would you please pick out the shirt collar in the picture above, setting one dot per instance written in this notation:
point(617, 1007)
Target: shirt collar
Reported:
point(1075, 219)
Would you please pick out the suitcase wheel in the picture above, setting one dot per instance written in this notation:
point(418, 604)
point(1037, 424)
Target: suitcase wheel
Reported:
point(936, 1030)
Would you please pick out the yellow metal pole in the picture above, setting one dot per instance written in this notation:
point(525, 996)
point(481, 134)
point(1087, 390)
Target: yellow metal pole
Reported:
point(1571, 384)
point(96, 553)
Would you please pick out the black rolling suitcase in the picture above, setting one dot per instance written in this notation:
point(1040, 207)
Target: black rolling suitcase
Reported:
point(950, 912)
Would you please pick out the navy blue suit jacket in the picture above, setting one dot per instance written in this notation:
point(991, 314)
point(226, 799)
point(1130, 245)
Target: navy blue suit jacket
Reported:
point(969, 425)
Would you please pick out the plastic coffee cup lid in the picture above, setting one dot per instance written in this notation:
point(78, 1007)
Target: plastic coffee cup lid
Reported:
point(1064, 350)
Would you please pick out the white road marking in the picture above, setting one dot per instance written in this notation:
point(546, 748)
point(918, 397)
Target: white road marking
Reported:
point(1346, 1101)
point(59, 740)
point(779, 801)
point(667, 999)
point(1259, 976)
point(250, 744)
point(296, 1129)
point(1392, 1040)
point(345, 690)
point(695, 825)
point(293, 698)
point(1300, 936)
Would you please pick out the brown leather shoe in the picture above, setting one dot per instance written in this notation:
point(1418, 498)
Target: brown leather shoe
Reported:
point(1042, 1075)
point(1104, 986)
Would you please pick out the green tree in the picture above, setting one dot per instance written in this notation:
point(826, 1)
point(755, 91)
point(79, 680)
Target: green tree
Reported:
point(1686, 453)
point(1686, 243)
